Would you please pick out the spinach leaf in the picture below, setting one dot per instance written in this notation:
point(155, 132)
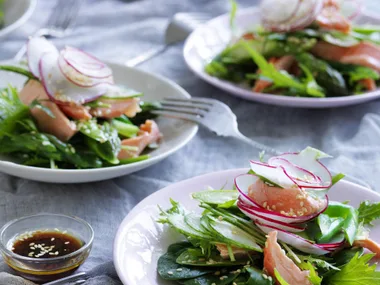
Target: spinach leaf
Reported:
point(102, 139)
point(212, 279)
point(146, 112)
point(195, 257)
point(256, 277)
point(344, 256)
point(169, 269)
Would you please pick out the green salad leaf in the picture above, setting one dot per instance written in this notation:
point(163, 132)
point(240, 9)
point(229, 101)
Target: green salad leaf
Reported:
point(169, 269)
point(357, 271)
point(257, 277)
point(368, 212)
point(281, 79)
point(102, 139)
point(11, 110)
point(19, 70)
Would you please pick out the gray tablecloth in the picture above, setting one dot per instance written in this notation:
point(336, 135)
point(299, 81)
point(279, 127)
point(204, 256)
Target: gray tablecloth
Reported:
point(118, 30)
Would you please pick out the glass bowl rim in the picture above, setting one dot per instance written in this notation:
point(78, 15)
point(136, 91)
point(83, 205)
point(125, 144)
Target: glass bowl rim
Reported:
point(87, 245)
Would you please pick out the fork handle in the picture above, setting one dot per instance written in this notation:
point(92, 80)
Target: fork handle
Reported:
point(146, 56)
point(272, 151)
point(255, 144)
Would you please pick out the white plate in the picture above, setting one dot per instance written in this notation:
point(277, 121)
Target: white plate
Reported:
point(140, 241)
point(16, 12)
point(176, 133)
point(210, 39)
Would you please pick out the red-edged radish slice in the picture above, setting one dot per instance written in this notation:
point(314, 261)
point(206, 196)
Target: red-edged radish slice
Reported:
point(309, 159)
point(298, 175)
point(273, 174)
point(78, 78)
point(244, 181)
point(36, 48)
point(60, 89)
point(256, 217)
point(294, 240)
point(85, 63)
point(298, 18)
point(351, 8)
point(284, 12)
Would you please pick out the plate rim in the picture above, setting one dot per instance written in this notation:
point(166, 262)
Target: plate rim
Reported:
point(136, 209)
point(141, 164)
point(274, 99)
point(20, 21)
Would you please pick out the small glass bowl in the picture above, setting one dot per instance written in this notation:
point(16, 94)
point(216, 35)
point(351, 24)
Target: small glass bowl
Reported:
point(46, 269)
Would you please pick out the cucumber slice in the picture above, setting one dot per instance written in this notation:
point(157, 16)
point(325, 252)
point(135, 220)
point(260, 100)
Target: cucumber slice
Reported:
point(178, 222)
point(121, 92)
point(233, 234)
point(194, 221)
point(216, 197)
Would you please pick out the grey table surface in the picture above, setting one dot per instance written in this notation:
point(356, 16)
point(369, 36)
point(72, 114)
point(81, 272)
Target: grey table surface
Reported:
point(117, 30)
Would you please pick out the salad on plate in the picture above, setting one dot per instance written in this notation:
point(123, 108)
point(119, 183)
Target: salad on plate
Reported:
point(303, 48)
point(71, 114)
point(277, 226)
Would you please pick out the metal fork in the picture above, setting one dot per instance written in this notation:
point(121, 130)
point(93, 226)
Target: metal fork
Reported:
point(211, 113)
point(218, 118)
point(58, 24)
point(179, 28)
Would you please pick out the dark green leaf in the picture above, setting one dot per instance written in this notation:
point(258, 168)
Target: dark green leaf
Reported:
point(256, 277)
point(168, 268)
point(212, 279)
point(104, 141)
point(195, 257)
point(344, 256)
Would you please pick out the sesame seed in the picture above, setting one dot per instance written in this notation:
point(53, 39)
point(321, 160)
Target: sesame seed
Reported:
point(274, 207)
point(265, 276)
point(213, 283)
point(56, 253)
point(170, 272)
point(282, 212)
point(32, 247)
point(31, 244)
point(52, 239)
point(31, 253)
point(265, 204)
point(179, 269)
point(302, 203)
point(220, 218)
point(51, 253)
point(67, 242)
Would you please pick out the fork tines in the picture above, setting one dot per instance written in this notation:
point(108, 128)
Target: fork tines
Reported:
point(189, 109)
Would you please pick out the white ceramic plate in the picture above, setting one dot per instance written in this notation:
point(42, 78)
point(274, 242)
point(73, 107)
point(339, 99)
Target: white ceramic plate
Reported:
point(16, 12)
point(176, 133)
point(210, 39)
point(140, 241)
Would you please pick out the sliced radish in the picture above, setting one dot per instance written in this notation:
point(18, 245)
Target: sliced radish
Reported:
point(307, 160)
point(294, 240)
point(297, 17)
point(298, 175)
point(60, 89)
point(273, 174)
point(256, 217)
point(36, 48)
point(78, 78)
point(351, 8)
point(85, 63)
point(243, 182)
point(284, 12)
